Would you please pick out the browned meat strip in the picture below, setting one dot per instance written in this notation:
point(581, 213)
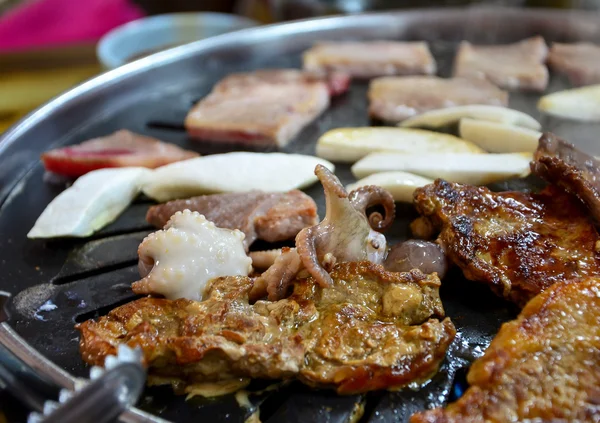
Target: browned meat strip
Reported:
point(560, 163)
point(580, 62)
point(371, 329)
point(516, 242)
point(255, 109)
point(271, 217)
point(542, 367)
point(393, 99)
point(518, 66)
point(371, 59)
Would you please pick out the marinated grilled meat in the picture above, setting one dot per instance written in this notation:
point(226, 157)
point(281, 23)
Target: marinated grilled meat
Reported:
point(542, 367)
point(271, 217)
point(518, 243)
point(371, 329)
point(120, 149)
point(560, 163)
point(580, 62)
point(393, 99)
point(371, 59)
point(262, 110)
point(518, 66)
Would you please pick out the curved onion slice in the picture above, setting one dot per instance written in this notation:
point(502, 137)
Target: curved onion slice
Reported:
point(578, 103)
point(92, 202)
point(499, 137)
point(351, 144)
point(400, 184)
point(475, 169)
point(233, 172)
point(442, 117)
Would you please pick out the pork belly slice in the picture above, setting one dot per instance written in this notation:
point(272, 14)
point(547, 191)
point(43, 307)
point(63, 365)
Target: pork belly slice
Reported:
point(260, 114)
point(272, 217)
point(580, 62)
point(372, 329)
point(337, 82)
point(119, 149)
point(518, 66)
point(542, 367)
point(371, 59)
point(393, 99)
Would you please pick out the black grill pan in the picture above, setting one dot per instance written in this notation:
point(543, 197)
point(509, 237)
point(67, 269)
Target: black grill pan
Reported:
point(60, 282)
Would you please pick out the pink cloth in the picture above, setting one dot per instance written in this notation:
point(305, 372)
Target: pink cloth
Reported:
point(42, 23)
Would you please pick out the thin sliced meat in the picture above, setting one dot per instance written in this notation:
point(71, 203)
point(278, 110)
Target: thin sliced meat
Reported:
point(271, 217)
point(337, 82)
point(393, 99)
point(518, 66)
point(120, 149)
point(580, 62)
point(560, 163)
point(371, 59)
point(264, 113)
point(542, 367)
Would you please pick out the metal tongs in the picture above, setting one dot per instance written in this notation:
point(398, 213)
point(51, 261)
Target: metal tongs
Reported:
point(109, 394)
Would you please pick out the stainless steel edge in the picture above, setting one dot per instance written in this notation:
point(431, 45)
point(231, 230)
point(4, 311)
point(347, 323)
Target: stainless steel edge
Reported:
point(43, 367)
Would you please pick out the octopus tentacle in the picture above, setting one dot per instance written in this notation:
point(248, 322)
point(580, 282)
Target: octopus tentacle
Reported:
point(331, 184)
point(307, 250)
point(370, 196)
point(277, 279)
point(264, 259)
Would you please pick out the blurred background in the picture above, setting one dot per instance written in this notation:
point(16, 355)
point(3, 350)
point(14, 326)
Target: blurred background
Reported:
point(48, 46)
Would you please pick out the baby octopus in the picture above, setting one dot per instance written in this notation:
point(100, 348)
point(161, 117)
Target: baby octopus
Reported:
point(346, 234)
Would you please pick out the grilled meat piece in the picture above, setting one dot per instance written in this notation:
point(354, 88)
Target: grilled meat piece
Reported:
point(560, 163)
point(518, 243)
point(371, 59)
point(580, 62)
point(271, 217)
point(543, 366)
point(258, 110)
point(337, 82)
point(371, 329)
point(393, 99)
point(120, 149)
point(518, 66)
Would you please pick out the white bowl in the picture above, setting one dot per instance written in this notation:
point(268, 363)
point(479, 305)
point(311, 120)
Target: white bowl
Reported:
point(149, 35)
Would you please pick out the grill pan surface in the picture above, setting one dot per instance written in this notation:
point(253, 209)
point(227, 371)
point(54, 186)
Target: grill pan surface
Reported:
point(60, 282)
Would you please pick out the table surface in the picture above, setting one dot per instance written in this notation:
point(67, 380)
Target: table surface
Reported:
point(30, 79)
